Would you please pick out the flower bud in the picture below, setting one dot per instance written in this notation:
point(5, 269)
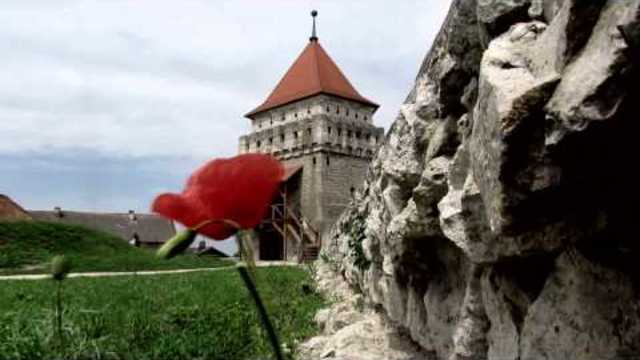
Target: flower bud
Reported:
point(60, 267)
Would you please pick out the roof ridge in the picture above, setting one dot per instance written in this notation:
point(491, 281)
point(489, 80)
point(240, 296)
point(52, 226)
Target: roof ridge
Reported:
point(94, 212)
point(315, 47)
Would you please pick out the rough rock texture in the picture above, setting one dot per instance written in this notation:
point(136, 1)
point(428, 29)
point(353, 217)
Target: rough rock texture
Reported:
point(350, 331)
point(497, 220)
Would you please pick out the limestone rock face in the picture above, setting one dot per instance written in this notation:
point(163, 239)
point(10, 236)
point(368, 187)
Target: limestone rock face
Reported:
point(497, 220)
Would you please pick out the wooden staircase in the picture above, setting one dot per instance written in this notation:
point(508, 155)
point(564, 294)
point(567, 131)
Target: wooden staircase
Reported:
point(291, 224)
point(310, 253)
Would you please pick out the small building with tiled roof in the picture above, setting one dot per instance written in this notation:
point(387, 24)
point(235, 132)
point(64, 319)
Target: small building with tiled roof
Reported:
point(11, 211)
point(321, 128)
point(146, 230)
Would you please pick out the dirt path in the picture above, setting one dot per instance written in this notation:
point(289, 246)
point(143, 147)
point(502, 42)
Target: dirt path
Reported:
point(143, 273)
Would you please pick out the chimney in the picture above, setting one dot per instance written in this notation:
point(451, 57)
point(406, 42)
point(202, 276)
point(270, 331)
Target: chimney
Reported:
point(58, 211)
point(132, 216)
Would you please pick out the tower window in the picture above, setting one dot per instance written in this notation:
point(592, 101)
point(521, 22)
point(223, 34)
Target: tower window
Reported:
point(339, 132)
point(270, 141)
point(314, 161)
point(328, 161)
point(329, 129)
point(352, 190)
point(309, 131)
point(296, 114)
point(356, 115)
point(259, 143)
point(282, 137)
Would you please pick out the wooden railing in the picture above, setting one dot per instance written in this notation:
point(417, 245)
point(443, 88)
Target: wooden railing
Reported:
point(291, 223)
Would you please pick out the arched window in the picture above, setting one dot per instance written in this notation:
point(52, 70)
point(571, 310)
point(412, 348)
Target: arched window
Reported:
point(314, 161)
point(329, 129)
point(258, 143)
point(328, 161)
point(309, 131)
point(282, 137)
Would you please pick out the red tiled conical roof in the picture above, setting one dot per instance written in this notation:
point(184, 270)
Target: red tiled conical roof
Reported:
point(312, 73)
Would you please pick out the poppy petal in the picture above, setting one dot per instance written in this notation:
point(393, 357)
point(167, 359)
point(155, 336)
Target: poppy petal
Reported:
point(176, 207)
point(239, 189)
point(217, 231)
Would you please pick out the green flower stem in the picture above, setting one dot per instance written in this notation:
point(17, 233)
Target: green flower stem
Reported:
point(262, 311)
point(177, 244)
point(59, 314)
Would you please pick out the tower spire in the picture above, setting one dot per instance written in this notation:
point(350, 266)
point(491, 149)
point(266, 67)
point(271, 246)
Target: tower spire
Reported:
point(313, 37)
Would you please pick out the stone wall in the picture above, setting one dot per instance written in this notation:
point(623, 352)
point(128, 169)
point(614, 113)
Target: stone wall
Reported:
point(335, 107)
point(342, 177)
point(319, 123)
point(498, 214)
point(327, 184)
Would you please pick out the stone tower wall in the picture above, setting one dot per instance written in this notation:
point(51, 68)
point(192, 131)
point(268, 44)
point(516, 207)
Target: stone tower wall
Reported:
point(334, 139)
point(321, 121)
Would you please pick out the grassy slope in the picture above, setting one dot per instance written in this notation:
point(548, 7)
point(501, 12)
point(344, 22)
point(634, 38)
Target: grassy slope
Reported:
point(178, 316)
point(26, 247)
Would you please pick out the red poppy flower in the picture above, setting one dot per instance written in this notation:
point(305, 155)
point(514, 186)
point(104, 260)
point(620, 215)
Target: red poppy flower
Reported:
point(224, 195)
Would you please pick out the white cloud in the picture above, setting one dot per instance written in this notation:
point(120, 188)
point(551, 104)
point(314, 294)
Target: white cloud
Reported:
point(151, 78)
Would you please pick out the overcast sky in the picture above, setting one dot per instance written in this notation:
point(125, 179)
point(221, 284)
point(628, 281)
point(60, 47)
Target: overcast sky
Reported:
point(104, 104)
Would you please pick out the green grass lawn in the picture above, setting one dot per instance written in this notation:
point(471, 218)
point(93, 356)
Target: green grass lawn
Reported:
point(178, 316)
point(27, 247)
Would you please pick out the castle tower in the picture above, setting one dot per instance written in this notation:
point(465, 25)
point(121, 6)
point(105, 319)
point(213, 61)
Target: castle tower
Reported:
point(322, 129)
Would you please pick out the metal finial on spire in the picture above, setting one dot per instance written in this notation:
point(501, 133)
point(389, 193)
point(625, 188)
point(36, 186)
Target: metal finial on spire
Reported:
point(313, 37)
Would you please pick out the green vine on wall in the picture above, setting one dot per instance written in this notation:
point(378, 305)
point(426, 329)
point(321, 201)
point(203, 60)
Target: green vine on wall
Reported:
point(356, 232)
